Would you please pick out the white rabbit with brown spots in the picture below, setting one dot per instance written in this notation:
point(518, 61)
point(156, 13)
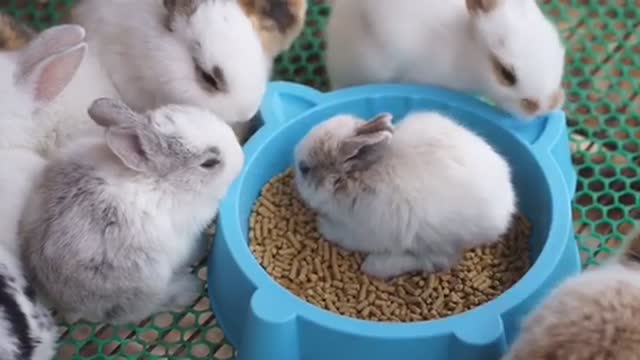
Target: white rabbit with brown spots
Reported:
point(413, 197)
point(506, 50)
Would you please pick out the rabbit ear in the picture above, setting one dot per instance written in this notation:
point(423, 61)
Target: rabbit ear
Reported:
point(112, 112)
point(175, 8)
point(49, 42)
point(367, 145)
point(482, 6)
point(126, 144)
point(46, 79)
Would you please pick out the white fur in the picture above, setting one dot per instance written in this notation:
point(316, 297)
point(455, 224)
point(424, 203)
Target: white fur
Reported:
point(437, 189)
point(151, 66)
point(30, 80)
point(438, 42)
point(66, 117)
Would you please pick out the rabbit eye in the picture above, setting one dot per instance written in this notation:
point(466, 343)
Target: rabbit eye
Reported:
point(214, 80)
point(210, 163)
point(304, 168)
point(505, 74)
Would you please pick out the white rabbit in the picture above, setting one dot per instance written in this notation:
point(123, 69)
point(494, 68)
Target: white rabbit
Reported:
point(413, 198)
point(506, 50)
point(113, 226)
point(31, 78)
point(192, 52)
point(593, 315)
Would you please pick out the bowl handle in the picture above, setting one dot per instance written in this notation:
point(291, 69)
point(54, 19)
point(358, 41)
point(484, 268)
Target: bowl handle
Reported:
point(554, 140)
point(270, 330)
point(482, 338)
point(284, 101)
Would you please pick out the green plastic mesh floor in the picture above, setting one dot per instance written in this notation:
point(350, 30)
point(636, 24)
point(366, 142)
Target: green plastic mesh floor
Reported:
point(602, 78)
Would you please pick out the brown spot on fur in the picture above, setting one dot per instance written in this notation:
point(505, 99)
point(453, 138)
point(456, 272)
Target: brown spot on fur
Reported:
point(485, 6)
point(631, 254)
point(13, 35)
point(278, 22)
point(557, 99)
point(530, 106)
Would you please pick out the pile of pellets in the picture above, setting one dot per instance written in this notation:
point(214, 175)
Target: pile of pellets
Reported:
point(284, 239)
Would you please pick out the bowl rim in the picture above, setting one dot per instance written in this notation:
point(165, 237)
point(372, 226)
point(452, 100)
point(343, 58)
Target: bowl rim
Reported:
point(230, 224)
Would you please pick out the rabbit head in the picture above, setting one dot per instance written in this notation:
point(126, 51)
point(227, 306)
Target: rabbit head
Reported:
point(278, 22)
point(330, 160)
point(525, 54)
point(231, 68)
point(186, 147)
point(33, 77)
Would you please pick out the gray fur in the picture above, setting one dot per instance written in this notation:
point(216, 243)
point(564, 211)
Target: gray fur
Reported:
point(110, 242)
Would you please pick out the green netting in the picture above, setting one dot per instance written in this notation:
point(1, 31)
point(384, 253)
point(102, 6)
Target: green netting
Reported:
point(602, 81)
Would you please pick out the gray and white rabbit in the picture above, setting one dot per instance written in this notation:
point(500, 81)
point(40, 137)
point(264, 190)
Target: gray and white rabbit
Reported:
point(33, 76)
point(203, 53)
point(592, 315)
point(412, 197)
point(506, 50)
point(111, 230)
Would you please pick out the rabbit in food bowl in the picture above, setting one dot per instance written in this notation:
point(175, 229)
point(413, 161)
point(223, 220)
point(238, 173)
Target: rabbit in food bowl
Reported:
point(593, 315)
point(412, 197)
point(111, 233)
point(203, 53)
point(33, 75)
point(506, 50)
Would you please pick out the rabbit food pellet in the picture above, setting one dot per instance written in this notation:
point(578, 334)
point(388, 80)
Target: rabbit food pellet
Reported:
point(285, 241)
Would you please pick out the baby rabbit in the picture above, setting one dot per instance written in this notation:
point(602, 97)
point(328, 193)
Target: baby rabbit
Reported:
point(30, 80)
point(204, 53)
point(113, 226)
point(506, 50)
point(412, 198)
point(593, 315)
point(13, 34)
point(278, 22)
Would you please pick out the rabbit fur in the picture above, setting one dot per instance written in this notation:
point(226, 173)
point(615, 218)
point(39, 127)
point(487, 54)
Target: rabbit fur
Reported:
point(14, 35)
point(33, 76)
point(506, 50)
point(111, 233)
point(203, 53)
point(412, 197)
point(278, 22)
point(589, 316)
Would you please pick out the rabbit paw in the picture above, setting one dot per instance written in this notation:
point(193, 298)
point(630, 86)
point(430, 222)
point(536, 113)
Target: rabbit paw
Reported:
point(184, 291)
point(385, 266)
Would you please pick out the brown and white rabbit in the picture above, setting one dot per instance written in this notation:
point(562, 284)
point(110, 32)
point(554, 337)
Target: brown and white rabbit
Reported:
point(590, 316)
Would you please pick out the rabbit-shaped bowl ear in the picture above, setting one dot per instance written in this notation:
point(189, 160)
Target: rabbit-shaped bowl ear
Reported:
point(112, 112)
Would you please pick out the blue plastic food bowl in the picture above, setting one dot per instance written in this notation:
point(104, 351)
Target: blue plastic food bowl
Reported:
point(265, 321)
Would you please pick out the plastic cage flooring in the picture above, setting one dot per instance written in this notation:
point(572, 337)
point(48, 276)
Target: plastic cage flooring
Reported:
point(602, 82)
